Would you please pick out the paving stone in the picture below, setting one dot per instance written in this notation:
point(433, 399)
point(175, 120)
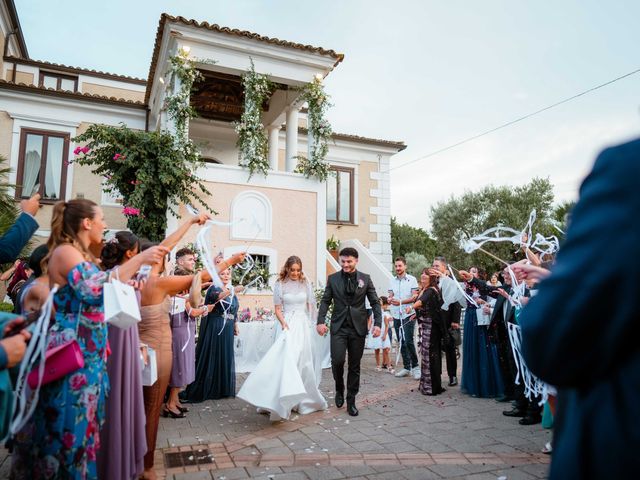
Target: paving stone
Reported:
point(193, 476)
point(419, 474)
point(229, 474)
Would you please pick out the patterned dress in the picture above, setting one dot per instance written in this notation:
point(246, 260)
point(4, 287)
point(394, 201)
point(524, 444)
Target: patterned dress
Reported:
point(430, 339)
point(63, 435)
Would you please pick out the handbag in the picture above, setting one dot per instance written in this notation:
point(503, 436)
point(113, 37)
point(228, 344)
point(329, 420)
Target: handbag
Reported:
point(59, 361)
point(454, 333)
point(150, 370)
point(120, 303)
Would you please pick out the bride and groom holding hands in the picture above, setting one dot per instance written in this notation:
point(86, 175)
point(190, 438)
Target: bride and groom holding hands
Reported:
point(288, 376)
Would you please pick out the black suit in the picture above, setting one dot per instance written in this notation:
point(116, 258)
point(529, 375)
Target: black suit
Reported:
point(348, 326)
point(499, 334)
point(452, 315)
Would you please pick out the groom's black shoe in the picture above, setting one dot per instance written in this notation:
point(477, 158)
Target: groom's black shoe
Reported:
point(339, 399)
point(351, 409)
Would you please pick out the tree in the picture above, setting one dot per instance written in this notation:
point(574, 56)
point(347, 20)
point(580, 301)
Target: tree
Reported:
point(405, 239)
point(416, 262)
point(8, 210)
point(561, 215)
point(460, 218)
point(150, 170)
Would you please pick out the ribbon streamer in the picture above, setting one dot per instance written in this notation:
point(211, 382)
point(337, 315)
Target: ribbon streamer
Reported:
point(34, 356)
point(533, 386)
point(468, 297)
point(501, 234)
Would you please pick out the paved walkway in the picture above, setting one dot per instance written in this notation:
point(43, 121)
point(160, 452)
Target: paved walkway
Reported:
point(399, 434)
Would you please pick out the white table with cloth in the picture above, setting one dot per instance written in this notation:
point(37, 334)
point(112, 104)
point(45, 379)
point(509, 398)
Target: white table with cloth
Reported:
point(256, 337)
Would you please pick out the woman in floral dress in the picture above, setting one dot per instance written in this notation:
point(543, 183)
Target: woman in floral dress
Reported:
point(62, 437)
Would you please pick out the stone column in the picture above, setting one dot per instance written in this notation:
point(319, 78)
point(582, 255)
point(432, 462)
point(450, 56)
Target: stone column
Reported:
point(292, 138)
point(274, 132)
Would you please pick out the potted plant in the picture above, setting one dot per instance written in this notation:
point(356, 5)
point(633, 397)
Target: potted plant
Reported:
point(332, 246)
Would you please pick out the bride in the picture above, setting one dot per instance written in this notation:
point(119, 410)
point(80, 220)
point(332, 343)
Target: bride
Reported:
point(288, 376)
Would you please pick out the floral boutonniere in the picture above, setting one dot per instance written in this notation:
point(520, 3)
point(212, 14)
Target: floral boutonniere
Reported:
point(360, 283)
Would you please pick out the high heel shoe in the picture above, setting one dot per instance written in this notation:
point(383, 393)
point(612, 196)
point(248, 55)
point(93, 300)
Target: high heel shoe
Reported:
point(168, 413)
point(183, 409)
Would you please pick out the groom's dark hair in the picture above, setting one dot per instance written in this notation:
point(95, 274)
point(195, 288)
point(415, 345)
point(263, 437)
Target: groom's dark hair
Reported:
point(348, 252)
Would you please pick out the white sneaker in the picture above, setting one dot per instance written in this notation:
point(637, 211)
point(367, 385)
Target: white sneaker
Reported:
point(416, 373)
point(403, 373)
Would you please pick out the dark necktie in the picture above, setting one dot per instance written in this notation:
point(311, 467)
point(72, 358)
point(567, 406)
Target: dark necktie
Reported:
point(350, 287)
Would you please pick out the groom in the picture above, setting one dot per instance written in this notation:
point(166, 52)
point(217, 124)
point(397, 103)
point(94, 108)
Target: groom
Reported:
point(347, 289)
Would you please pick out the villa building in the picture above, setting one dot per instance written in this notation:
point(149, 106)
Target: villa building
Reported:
point(44, 105)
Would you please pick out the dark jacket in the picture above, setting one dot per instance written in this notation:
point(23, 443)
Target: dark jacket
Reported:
point(14, 239)
point(581, 332)
point(344, 305)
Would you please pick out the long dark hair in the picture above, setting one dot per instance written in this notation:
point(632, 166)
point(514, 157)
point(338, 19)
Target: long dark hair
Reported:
point(433, 279)
point(292, 260)
point(114, 250)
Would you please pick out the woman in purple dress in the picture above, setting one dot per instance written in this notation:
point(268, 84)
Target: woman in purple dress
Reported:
point(183, 340)
point(123, 436)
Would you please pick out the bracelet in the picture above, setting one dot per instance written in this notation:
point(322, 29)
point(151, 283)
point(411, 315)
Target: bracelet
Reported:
point(144, 345)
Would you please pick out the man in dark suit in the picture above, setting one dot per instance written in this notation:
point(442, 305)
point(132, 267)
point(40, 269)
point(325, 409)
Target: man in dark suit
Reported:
point(347, 289)
point(14, 239)
point(451, 317)
point(581, 332)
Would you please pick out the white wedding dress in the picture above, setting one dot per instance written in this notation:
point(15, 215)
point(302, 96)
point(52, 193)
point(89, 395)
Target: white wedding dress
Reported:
point(288, 376)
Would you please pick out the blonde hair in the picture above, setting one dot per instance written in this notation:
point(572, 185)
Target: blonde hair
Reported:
point(292, 260)
point(65, 225)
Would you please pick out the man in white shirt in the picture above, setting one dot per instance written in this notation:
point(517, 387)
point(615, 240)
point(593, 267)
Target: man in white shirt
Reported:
point(403, 291)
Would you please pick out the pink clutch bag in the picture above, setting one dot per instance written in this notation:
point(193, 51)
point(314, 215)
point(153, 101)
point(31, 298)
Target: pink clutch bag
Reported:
point(59, 361)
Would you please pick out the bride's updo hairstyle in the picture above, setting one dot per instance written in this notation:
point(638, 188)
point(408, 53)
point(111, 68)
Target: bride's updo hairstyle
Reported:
point(284, 273)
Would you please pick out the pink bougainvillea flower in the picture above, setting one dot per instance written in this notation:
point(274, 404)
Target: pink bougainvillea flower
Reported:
point(118, 157)
point(77, 150)
point(131, 211)
point(84, 149)
point(135, 182)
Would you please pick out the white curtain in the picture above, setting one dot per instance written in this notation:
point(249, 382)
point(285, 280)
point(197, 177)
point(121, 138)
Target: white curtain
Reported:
point(31, 173)
point(53, 173)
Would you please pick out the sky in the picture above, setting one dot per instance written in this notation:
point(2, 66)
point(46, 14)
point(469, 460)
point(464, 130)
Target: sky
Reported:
point(429, 73)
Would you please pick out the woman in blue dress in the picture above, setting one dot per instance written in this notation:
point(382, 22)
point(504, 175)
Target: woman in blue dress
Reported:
point(63, 436)
point(215, 363)
point(481, 375)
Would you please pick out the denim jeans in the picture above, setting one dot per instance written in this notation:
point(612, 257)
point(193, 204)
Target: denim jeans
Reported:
point(407, 344)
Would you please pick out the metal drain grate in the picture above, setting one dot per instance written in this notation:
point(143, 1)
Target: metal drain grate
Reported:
point(186, 459)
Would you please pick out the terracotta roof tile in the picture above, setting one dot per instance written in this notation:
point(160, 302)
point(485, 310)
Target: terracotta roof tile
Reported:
point(359, 139)
point(165, 17)
point(69, 94)
point(66, 68)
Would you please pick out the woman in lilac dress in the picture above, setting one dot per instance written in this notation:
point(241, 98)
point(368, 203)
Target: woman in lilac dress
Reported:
point(183, 340)
point(123, 436)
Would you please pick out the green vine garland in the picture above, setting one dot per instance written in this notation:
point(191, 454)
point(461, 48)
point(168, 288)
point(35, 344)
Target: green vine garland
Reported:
point(320, 130)
point(151, 170)
point(252, 142)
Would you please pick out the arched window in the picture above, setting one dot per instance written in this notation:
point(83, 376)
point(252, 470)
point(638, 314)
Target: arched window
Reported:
point(251, 216)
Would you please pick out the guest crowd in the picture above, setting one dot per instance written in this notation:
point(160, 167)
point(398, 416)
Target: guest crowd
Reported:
point(100, 419)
